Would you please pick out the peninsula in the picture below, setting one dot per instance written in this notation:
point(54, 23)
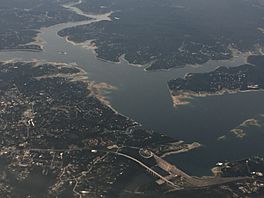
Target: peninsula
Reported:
point(248, 77)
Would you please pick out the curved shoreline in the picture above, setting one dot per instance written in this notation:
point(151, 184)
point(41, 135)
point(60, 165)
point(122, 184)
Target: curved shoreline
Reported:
point(87, 45)
point(92, 18)
point(236, 53)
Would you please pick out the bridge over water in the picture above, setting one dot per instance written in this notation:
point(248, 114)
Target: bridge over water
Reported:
point(175, 173)
point(191, 181)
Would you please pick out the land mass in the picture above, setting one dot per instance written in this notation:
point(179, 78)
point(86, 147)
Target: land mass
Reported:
point(165, 34)
point(248, 77)
point(58, 139)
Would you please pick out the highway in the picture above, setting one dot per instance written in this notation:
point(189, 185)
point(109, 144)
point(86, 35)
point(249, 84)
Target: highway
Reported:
point(148, 169)
point(195, 182)
point(187, 181)
point(154, 173)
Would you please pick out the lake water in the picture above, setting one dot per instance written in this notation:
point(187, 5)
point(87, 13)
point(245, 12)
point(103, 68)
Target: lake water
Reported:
point(144, 97)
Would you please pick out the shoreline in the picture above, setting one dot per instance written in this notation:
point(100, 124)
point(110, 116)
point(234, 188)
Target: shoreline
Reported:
point(93, 18)
point(187, 148)
point(180, 99)
point(95, 88)
point(87, 45)
point(236, 53)
point(20, 50)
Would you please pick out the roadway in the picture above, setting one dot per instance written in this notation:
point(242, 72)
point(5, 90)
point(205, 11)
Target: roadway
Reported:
point(174, 172)
point(196, 182)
